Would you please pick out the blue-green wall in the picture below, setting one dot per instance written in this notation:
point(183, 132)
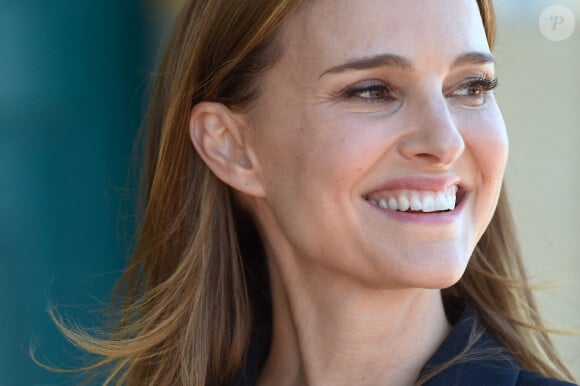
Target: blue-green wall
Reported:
point(72, 81)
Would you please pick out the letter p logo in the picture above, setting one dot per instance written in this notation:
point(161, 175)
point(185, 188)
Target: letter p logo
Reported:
point(557, 20)
point(557, 23)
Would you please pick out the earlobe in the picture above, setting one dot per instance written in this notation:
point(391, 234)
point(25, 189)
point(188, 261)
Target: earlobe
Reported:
point(218, 135)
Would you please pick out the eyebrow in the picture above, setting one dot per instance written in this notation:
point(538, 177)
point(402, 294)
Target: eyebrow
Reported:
point(401, 63)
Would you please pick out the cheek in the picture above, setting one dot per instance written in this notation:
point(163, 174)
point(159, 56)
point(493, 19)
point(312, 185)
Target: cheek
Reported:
point(313, 169)
point(332, 150)
point(349, 144)
point(486, 139)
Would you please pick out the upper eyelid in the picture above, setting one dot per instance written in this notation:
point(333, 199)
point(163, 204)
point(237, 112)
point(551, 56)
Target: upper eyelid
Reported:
point(476, 76)
point(375, 82)
point(364, 84)
point(478, 79)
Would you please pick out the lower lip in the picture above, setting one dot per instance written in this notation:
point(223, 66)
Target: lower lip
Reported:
point(426, 217)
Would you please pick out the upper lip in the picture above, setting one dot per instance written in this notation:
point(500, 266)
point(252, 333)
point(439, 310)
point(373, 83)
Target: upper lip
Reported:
point(431, 184)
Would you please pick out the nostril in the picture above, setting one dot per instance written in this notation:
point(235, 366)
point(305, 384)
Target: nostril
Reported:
point(431, 158)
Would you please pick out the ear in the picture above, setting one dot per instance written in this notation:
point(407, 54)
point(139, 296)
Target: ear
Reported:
point(219, 136)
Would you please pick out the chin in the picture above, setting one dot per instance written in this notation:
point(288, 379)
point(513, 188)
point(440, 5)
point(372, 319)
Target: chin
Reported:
point(443, 281)
point(443, 275)
point(425, 271)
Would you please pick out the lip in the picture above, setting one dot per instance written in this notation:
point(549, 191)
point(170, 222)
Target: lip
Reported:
point(431, 184)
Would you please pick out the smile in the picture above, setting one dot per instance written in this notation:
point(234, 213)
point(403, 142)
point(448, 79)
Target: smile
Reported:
point(416, 200)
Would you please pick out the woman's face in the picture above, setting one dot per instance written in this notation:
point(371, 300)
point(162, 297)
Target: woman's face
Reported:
point(378, 112)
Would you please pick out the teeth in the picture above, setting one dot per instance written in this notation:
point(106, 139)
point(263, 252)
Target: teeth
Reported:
point(417, 200)
point(452, 199)
point(403, 203)
point(416, 203)
point(429, 203)
point(441, 201)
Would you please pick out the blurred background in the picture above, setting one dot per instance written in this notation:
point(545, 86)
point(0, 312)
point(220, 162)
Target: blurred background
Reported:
point(74, 82)
point(539, 95)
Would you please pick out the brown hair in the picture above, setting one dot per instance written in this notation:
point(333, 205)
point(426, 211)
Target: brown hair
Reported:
point(185, 316)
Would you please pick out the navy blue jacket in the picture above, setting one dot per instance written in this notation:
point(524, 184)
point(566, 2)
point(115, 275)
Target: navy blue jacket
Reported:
point(493, 367)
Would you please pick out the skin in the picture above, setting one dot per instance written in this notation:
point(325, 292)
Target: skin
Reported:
point(356, 293)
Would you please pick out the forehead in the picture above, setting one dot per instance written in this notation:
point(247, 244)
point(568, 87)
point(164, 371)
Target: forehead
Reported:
point(324, 33)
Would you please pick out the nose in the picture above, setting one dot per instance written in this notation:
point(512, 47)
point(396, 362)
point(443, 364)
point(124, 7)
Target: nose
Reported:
point(433, 140)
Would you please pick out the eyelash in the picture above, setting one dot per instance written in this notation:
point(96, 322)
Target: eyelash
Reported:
point(369, 86)
point(484, 82)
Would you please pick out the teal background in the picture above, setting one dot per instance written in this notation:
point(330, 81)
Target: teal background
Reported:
point(73, 79)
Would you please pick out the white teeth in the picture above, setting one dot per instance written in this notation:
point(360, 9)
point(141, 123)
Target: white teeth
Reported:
point(442, 202)
point(429, 203)
point(403, 203)
point(415, 203)
point(418, 201)
point(452, 199)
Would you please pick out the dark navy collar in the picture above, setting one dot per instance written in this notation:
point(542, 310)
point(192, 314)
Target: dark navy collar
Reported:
point(487, 363)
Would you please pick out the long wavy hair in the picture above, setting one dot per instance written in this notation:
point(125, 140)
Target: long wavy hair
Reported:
point(196, 281)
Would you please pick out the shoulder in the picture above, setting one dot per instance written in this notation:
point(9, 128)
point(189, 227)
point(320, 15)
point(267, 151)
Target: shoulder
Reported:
point(525, 378)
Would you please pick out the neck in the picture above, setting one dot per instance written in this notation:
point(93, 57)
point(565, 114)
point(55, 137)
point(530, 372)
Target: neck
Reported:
point(336, 332)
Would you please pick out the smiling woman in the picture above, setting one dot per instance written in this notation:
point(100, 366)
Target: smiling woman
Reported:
point(323, 205)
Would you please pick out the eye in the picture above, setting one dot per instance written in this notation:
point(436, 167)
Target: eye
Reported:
point(371, 91)
point(475, 92)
